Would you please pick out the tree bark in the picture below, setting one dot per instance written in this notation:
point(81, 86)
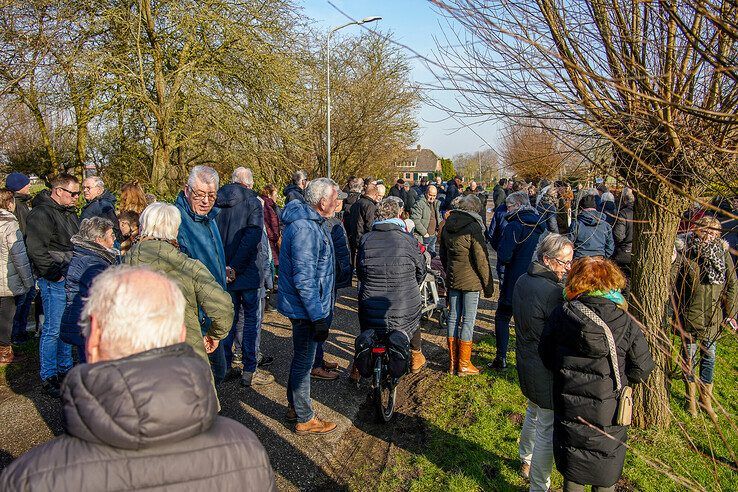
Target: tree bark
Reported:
point(655, 229)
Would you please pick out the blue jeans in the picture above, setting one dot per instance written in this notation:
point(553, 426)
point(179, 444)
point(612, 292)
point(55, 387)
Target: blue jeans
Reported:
point(56, 356)
point(298, 383)
point(430, 244)
point(248, 305)
point(318, 362)
point(22, 309)
point(462, 313)
point(706, 350)
point(502, 329)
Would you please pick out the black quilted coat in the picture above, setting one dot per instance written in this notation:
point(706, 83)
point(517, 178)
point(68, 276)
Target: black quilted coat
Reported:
point(390, 269)
point(585, 401)
point(145, 422)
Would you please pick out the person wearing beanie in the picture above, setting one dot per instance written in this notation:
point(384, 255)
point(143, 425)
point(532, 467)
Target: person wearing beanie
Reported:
point(20, 185)
point(590, 233)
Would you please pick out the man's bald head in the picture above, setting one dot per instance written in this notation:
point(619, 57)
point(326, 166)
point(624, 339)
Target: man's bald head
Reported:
point(131, 310)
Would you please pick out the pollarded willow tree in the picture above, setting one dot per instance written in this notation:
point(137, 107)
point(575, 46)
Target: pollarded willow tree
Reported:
point(655, 80)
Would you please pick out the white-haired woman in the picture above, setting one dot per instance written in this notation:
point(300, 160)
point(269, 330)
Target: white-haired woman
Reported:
point(157, 247)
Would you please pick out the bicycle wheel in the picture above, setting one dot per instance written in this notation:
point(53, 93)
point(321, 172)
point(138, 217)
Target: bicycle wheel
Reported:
point(384, 393)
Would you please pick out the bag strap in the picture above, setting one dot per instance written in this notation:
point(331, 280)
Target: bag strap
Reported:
point(613, 354)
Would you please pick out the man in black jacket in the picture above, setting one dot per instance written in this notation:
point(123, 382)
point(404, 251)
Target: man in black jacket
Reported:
point(296, 189)
point(143, 413)
point(49, 230)
point(241, 225)
point(452, 191)
point(537, 293)
point(100, 203)
point(360, 217)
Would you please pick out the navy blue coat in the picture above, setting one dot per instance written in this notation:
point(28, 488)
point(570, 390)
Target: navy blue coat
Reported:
point(496, 226)
point(306, 265)
point(518, 243)
point(344, 271)
point(592, 235)
point(391, 268)
point(199, 239)
point(293, 192)
point(103, 206)
point(88, 261)
point(548, 212)
point(241, 225)
point(608, 208)
point(452, 191)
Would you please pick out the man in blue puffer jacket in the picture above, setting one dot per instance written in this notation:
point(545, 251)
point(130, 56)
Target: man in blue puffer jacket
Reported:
point(241, 226)
point(590, 233)
point(306, 293)
point(517, 245)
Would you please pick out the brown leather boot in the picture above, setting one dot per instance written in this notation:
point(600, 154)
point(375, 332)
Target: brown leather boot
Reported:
point(453, 355)
point(691, 395)
point(706, 400)
point(315, 427)
point(6, 355)
point(417, 361)
point(465, 366)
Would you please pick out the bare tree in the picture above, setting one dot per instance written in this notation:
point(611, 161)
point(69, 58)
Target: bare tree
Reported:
point(649, 78)
point(532, 153)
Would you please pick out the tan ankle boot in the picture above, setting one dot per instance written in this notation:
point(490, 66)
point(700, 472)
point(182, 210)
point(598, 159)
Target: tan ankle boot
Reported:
point(465, 365)
point(6, 355)
point(691, 394)
point(453, 348)
point(417, 361)
point(706, 400)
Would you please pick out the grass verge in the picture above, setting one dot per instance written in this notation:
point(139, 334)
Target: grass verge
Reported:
point(474, 424)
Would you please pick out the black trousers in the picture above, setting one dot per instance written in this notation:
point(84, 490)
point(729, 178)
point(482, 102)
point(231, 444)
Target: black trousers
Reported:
point(7, 313)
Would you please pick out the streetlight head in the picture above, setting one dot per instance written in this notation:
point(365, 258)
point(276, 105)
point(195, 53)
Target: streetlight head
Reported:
point(369, 19)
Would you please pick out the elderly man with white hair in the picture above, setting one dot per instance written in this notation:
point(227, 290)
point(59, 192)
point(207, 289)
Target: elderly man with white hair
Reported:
point(143, 413)
point(306, 293)
point(241, 226)
point(100, 203)
point(199, 238)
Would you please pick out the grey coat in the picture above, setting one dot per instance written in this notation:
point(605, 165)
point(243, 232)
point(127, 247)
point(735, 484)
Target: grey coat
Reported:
point(145, 422)
point(537, 293)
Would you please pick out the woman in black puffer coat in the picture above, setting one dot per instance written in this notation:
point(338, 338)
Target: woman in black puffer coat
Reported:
point(575, 350)
point(391, 268)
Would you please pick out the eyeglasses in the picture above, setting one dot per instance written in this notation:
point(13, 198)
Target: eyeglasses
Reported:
point(563, 263)
point(73, 193)
point(199, 195)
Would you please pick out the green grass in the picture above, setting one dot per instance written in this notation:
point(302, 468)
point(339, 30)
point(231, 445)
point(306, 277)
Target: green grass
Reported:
point(474, 424)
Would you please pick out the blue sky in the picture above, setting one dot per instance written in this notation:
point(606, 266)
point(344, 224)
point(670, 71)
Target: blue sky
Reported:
point(413, 23)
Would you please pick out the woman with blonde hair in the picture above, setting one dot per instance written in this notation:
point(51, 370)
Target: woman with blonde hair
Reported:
point(594, 349)
point(706, 289)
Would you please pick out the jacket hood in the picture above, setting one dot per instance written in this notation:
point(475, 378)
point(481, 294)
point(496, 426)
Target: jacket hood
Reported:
point(296, 210)
point(537, 269)
point(589, 337)
point(183, 204)
point(591, 217)
point(90, 247)
point(293, 187)
point(43, 199)
point(106, 196)
point(526, 216)
point(462, 222)
point(156, 397)
point(232, 194)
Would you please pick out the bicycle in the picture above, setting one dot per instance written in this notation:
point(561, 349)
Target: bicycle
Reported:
point(384, 386)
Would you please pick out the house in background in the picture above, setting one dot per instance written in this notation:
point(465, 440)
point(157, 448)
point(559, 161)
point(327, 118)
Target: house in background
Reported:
point(416, 163)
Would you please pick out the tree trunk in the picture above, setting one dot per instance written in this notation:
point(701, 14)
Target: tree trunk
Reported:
point(161, 164)
point(655, 229)
point(80, 150)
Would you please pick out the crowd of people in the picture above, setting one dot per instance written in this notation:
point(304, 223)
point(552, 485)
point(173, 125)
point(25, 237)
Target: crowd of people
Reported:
point(138, 293)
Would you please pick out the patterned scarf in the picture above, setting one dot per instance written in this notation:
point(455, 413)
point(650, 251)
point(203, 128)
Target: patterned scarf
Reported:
point(710, 256)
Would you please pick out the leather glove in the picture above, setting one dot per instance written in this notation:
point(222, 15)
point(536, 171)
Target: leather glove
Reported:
point(321, 328)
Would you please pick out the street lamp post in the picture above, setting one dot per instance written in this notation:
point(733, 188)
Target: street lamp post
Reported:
point(328, 80)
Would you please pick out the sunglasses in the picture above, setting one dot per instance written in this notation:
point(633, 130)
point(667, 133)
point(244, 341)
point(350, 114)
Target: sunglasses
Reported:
point(73, 193)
